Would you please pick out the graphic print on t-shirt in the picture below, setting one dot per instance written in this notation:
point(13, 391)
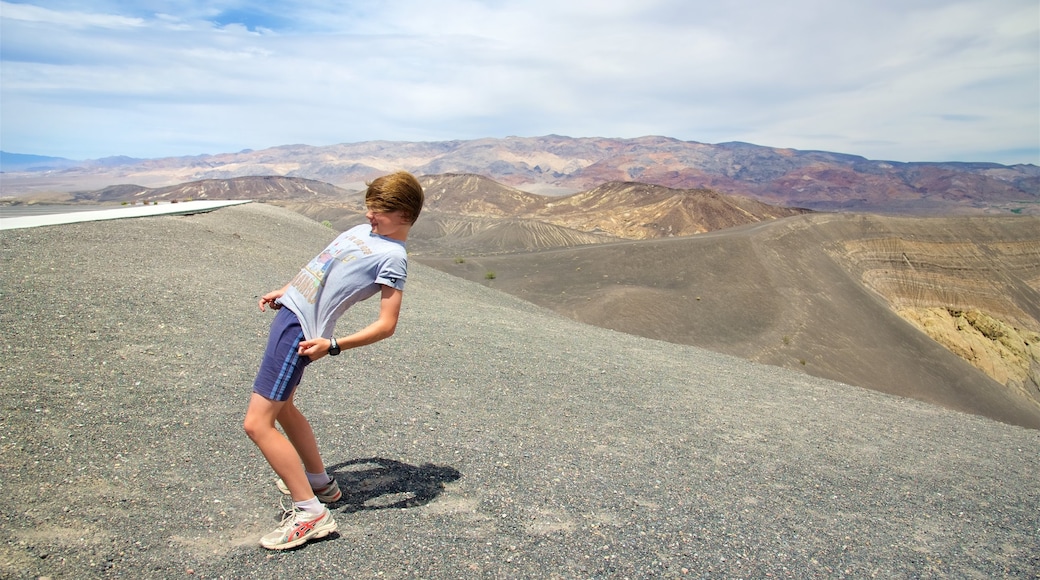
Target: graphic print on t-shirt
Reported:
point(312, 277)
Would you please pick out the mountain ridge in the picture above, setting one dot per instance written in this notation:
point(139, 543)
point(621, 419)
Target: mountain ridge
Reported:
point(801, 178)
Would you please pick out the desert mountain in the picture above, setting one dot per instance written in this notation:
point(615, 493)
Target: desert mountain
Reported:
point(623, 210)
point(553, 164)
point(642, 211)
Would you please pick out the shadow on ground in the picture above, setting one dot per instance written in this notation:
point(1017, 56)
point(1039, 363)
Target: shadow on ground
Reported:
point(378, 483)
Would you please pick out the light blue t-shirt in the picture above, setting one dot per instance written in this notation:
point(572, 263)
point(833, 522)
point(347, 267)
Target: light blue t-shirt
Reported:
point(352, 268)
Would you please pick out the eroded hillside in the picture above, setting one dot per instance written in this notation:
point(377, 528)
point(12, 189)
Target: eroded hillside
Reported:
point(627, 210)
point(829, 294)
point(1009, 355)
point(639, 211)
point(973, 285)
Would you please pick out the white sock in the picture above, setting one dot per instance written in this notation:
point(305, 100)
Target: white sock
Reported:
point(318, 480)
point(311, 506)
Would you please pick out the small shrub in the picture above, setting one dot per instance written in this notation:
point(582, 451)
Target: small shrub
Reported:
point(327, 224)
point(489, 276)
point(460, 260)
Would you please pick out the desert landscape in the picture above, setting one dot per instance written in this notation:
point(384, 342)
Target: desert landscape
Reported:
point(489, 437)
point(698, 289)
point(937, 298)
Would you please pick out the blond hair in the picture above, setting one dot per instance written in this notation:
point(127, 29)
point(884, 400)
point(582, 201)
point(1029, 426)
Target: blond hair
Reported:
point(398, 191)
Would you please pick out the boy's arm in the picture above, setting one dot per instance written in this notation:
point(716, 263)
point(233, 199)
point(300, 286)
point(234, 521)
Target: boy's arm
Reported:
point(269, 298)
point(383, 327)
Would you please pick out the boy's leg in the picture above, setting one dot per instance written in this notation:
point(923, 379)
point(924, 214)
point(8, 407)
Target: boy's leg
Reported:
point(279, 451)
point(300, 434)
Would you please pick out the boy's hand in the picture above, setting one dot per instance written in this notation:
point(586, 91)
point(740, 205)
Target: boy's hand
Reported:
point(314, 348)
point(269, 300)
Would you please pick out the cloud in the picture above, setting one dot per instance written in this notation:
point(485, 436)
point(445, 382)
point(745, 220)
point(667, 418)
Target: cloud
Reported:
point(901, 80)
point(69, 19)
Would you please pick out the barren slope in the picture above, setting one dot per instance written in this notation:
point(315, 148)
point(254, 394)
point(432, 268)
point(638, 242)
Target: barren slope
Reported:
point(470, 194)
point(788, 293)
point(444, 234)
point(453, 235)
point(487, 438)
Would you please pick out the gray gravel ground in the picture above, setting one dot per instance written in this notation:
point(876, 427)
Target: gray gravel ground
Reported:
point(487, 439)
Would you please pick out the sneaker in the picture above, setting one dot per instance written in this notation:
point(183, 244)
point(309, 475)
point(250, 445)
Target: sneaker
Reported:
point(328, 494)
point(298, 527)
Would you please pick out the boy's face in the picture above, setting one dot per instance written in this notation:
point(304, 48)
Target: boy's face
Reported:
point(390, 224)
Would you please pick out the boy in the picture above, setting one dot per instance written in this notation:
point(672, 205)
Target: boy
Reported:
point(359, 263)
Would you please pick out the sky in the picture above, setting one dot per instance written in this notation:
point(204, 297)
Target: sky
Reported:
point(899, 80)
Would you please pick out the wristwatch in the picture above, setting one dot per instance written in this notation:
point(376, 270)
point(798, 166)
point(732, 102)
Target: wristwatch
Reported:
point(334, 347)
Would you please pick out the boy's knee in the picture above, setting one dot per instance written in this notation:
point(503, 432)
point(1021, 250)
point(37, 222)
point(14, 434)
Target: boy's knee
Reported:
point(252, 427)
